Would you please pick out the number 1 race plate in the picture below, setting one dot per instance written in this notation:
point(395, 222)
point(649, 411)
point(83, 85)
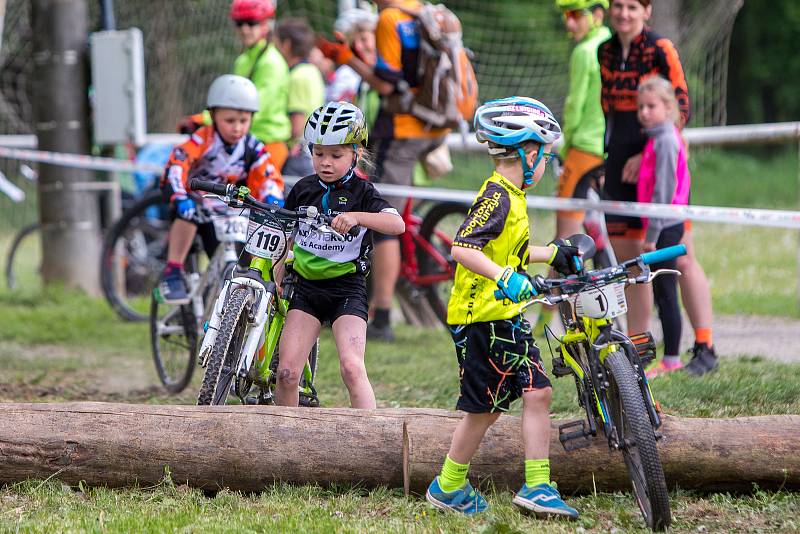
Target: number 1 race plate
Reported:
point(266, 237)
point(604, 302)
point(230, 228)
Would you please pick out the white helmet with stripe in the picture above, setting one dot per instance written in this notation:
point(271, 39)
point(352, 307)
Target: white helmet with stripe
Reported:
point(336, 123)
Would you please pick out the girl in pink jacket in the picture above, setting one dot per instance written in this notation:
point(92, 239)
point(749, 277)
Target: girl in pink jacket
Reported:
point(663, 179)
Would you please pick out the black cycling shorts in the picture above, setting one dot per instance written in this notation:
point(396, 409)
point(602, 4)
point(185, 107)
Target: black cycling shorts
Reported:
point(498, 361)
point(327, 300)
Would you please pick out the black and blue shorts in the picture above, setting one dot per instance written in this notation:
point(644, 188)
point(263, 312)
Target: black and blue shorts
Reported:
point(498, 362)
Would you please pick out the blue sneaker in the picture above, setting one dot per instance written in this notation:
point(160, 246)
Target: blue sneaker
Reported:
point(172, 288)
point(465, 500)
point(543, 500)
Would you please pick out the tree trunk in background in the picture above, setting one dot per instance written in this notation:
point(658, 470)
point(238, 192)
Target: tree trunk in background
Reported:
point(247, 448)
point(666, 20)
point(69, 215)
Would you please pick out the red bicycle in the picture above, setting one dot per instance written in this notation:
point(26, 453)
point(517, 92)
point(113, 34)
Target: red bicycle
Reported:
point(427, 269)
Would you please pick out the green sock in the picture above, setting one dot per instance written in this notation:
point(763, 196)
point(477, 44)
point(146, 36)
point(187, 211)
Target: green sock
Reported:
point(453, 475)
point(537, 472)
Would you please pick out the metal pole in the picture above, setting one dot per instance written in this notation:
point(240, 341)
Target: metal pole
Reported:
point(798, 241)
point(107, 21)
point(69, 216)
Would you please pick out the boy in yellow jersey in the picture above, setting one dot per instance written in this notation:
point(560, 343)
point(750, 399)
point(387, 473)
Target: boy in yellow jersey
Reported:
point(497, 356)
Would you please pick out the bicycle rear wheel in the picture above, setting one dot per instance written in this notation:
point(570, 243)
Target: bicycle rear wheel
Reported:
point(173, 339)
point(637, 442)
point(221, 367)
point(438, 228)
point(24, 261)
point(133, 256)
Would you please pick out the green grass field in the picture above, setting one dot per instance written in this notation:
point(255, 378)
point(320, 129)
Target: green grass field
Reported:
point(58, 345)
point(48, 352)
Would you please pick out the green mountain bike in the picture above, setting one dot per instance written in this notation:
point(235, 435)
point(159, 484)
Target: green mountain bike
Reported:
point(241, 336)
point(608, 368)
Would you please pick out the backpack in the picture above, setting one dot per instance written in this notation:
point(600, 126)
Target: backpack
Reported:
point(447, 93)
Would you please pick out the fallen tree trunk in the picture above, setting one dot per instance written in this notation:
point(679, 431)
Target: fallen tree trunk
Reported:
point(248, 448)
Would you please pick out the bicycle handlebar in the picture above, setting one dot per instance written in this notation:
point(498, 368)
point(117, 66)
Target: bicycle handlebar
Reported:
point(231, 190)
point(575, 283)
point(664, 254)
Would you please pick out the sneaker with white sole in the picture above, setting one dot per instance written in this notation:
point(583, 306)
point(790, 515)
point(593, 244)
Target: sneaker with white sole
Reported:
point(543, 500)
point(465, 500)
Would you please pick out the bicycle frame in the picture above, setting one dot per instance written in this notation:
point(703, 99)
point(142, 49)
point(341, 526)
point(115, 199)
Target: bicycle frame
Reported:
point(409, 241)
point(592, 340)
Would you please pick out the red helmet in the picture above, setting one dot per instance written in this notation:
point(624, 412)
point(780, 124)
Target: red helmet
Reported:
point(257, 10)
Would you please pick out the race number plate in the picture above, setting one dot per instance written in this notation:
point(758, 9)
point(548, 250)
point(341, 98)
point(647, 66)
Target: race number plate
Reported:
point(230, 228)
point(604, 302)
point(266, 237)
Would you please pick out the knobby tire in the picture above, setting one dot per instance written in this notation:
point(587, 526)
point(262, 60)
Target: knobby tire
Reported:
point(117, 232)
point(641, 457)
point(225, 353)
point(161, 344)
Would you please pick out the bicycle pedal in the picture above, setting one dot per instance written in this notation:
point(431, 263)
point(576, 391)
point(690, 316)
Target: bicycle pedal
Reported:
point(645, 346)
point(574, 439)
point(560, 368)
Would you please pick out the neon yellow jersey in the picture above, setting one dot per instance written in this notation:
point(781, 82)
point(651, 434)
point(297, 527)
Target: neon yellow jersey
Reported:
point(497, 225)
point(270, 74)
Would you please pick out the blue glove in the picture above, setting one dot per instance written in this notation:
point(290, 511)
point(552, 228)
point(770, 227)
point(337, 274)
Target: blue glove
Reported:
point(566, 258)
point(185, 207)
point(514, 286)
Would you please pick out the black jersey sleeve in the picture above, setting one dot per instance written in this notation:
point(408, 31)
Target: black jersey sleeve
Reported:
point(486, 218)
point(373, 202)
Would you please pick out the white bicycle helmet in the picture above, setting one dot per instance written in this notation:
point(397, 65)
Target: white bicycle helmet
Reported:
point(353, 20)
point(234, 92)
point(336, 123)
point(507, 123)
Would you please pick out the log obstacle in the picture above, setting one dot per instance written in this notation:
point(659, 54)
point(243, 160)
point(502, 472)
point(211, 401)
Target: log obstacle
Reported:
point(247, 448)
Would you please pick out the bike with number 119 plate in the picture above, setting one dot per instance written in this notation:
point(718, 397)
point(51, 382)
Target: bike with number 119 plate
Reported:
point(239, 346)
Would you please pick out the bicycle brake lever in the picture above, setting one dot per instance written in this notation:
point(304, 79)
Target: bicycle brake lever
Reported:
point(659, 272)
point(218, 197)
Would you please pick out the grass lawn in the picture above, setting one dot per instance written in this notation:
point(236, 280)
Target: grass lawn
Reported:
point(59, 346)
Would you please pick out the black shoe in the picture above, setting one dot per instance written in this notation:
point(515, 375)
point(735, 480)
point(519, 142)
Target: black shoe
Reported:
point(172, 288)
point(704, 360)
point(380, 333)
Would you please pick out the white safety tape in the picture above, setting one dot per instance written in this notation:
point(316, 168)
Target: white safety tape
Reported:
point(743, 216)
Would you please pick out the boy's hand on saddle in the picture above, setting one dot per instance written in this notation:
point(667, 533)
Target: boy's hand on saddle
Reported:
point(566, 259)
point(337, 52)
point(514, 286)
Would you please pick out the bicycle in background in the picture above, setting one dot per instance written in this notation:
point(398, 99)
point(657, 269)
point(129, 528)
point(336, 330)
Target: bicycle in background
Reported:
point(608, 369)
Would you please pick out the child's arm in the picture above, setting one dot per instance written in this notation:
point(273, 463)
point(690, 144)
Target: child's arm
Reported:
point(477, 262)
point(385, 222)
point(666, 149)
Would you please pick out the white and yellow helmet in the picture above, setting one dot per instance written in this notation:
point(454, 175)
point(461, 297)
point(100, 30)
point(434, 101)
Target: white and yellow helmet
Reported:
point(336, 123)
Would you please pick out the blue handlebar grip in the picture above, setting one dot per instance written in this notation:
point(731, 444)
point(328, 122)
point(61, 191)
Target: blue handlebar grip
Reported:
point(498, 295)
point(664, 254)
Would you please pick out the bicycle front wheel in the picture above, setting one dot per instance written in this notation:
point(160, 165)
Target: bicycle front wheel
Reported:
point(173, 339)
point(24, 262)
point(221, 367)
point(134, 252)
point(437, 231)
point(637, 442)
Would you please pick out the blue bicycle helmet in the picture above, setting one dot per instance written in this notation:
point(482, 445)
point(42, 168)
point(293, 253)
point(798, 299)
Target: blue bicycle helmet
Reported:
point(507, 123)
